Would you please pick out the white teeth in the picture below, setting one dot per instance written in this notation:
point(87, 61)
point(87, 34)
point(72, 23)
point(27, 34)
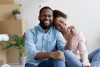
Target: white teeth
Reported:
point(47, 22)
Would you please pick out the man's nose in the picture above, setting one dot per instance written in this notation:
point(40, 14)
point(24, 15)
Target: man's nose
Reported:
point(46, 17)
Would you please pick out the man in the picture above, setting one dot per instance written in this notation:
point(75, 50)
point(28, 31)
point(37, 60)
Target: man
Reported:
point(44, 43)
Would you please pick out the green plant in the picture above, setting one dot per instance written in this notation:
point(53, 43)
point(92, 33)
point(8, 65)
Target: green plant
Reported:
point(16, 41)
point(16, 11)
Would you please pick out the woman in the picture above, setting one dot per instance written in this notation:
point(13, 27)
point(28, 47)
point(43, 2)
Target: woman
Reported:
point(75, 41)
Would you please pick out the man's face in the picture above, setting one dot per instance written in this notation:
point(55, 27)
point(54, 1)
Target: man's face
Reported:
point(46, 18)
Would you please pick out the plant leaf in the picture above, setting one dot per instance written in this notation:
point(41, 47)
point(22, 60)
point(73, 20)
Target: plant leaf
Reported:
point(8, 46)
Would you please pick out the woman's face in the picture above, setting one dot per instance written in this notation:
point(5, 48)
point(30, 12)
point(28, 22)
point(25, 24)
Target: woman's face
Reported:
point(60, 23)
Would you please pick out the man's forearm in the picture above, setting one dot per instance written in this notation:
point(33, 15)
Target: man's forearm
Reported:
point(52, 55)
point(42, 55)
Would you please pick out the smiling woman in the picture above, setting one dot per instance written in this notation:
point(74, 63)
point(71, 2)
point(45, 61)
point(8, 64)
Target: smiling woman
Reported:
point(75, 41)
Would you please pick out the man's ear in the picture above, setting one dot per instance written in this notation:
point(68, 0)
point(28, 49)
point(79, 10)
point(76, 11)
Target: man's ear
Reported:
point(38, 17)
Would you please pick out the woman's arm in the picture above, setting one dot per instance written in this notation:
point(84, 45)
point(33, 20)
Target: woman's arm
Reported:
point(83, 51)
point(68, 35)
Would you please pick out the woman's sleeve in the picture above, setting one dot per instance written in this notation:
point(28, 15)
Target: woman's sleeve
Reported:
point(82, 50)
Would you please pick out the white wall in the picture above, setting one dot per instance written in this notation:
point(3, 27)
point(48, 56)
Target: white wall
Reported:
point(85, 14)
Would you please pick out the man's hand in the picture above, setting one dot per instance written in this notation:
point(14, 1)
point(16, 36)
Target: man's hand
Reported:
point(57, 55)
point(85, 65)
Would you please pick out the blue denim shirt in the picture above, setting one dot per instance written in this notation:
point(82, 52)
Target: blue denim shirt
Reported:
point(37, 40)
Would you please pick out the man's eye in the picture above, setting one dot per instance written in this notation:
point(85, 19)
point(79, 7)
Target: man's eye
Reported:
point(50, 16)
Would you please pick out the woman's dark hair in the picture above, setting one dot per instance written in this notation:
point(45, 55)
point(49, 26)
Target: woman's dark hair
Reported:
point(57, 13)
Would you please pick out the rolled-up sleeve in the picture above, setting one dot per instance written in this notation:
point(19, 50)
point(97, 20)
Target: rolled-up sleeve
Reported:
point(60, 41)
point(30, 45)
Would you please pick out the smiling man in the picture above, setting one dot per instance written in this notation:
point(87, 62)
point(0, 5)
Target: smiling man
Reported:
point(43, 42)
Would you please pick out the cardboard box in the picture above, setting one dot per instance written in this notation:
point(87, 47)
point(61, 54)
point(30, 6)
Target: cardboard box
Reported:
point(6, 1)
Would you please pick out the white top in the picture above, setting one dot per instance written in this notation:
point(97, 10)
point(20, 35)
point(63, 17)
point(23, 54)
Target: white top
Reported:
point(79, 48)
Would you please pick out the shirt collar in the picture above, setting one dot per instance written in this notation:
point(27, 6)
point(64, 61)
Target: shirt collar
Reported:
point(41, 29)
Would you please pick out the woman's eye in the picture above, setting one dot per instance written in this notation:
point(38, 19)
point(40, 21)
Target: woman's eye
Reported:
point(61, 21)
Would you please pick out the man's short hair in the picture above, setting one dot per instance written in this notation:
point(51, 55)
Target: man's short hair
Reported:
point(57, 13)
point(46, 7)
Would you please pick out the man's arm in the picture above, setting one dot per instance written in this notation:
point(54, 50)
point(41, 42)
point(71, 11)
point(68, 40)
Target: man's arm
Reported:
point(53, 55)
point(33, 53)
point(60, 41)
point(30, 45)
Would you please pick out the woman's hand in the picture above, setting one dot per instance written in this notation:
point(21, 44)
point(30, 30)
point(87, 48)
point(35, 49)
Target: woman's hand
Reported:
point(69, 37)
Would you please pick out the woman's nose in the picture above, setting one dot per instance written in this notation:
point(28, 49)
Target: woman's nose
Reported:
point(61, 25)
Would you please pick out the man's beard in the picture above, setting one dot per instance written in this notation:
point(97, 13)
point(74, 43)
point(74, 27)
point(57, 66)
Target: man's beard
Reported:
point(44, 26)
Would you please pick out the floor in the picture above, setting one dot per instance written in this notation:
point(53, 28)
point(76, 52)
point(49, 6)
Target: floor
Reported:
point(12, 65)
point(17, 66)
